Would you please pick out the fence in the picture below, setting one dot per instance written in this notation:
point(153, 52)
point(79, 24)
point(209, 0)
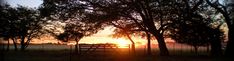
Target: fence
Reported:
point(90, 48)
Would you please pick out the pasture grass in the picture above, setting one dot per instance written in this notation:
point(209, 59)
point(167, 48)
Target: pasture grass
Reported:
point(119, 55)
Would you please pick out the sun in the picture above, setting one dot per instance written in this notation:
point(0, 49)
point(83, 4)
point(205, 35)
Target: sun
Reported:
point(122, 43)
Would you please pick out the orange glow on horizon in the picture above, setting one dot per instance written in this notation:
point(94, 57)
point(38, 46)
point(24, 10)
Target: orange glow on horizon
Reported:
point(122, 43)
point(102, 37)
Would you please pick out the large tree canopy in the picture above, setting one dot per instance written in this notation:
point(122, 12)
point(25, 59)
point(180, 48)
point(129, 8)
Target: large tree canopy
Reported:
point(72, 13)
point(198, 33)
point(154, 17)
point(148, 15)
point(21, 23)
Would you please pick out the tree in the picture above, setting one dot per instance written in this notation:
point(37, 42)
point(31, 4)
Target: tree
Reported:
point(154, 17)
point(2, 46)
point(30, 25)
point(73, 15)
point(198, 33)
point(129, 28)
point(198, 14)
point(144, 13)
point(74, 8)
point(2, 29)
point(9, 26)
point(21, 23)
point(124, 32)
point(70, 33)
point(223, 10)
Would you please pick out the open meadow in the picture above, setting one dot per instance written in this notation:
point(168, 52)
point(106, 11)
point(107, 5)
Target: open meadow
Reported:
point(63, 53)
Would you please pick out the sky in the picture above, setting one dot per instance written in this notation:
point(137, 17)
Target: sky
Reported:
point(34, 3)
point(102, 36)
point(27, 3)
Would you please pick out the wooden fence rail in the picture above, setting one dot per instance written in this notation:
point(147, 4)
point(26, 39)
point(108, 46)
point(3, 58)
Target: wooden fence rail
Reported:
point(89, 48)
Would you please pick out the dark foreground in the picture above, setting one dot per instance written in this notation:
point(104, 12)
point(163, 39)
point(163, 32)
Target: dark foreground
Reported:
point(119, 55)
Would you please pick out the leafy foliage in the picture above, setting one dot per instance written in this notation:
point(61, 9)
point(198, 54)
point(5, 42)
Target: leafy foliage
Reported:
point(21, 23)
point(195, 33)
point(69, 34)
point(72, 13)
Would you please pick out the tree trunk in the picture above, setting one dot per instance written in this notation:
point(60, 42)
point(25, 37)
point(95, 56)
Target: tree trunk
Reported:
point(15, 43)
point(162, 45)
point(230, 44)
point(133, 43)
point(2, 51)
point(150, 25)
point(76, 47)
point(2, 47)
point(196, 49)
point(8, 45)
point(216, 47)
point(148, 44)
point(22, 42)
point(161, 42)
point(156, 33)
point(22, 48)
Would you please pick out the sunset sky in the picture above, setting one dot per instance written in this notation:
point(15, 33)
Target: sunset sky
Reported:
point(116, 30)
point(102, 36)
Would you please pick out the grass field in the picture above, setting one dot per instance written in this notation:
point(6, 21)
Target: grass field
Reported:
point(65, 54)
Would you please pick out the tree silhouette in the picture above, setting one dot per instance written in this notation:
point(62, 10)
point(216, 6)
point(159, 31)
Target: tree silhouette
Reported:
point(198, 33)
point(125, 28)
point(2, 29)
point(226, 14)
point(144, 13)
point(30, 24)
point(72, 13)
point(153, 16)
point(150, 16)
point(196, 19)
point(129, 30)
point(2, 46)
point(63, 37)
point(9, 26)
point(206, 9)
point(123, 32)
point(22, 23)
point(70, 33)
